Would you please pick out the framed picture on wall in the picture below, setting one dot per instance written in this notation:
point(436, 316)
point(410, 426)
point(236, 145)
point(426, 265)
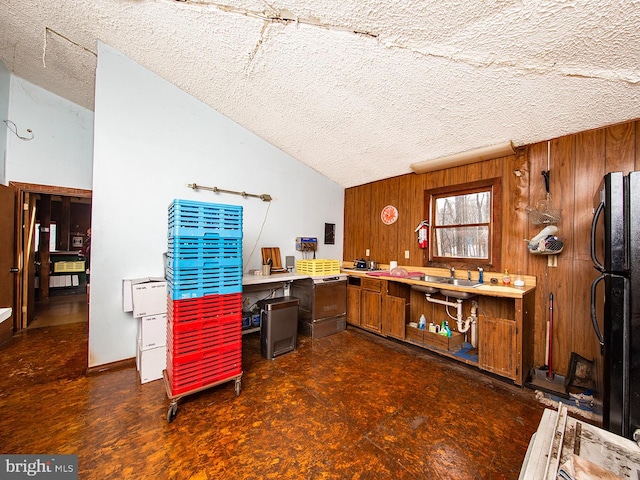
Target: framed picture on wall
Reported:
point(76, 242)
point(329, 233)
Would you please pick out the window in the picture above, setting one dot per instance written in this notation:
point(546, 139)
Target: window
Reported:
point(465, 228)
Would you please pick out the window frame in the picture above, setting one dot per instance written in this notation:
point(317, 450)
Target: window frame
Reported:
point(494, 185)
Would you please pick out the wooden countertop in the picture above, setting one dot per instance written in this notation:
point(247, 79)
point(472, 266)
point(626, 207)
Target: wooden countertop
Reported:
point(486, 289)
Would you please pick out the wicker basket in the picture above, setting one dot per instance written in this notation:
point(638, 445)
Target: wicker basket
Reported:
point(544, 213)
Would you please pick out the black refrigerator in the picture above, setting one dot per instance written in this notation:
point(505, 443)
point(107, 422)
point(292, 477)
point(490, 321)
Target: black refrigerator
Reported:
point(615, 251)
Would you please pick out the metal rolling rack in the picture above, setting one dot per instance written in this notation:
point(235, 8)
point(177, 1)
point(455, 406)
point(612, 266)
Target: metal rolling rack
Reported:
point(204, 304)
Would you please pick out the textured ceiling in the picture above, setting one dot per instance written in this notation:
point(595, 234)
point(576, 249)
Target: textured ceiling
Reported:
point(355, 89)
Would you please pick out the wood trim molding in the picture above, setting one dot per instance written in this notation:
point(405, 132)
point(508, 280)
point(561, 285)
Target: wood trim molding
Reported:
point(21, 188)
point(109, 367)
point(495, 260)
point(51, 189)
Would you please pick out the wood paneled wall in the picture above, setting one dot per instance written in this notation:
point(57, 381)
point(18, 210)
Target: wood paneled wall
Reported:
point(576, 163)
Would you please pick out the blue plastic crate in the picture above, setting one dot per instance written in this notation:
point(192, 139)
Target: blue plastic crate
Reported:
point(203, 263)
point(182, 293)
point(191, 251)
point(200, 219)
point(198, 282)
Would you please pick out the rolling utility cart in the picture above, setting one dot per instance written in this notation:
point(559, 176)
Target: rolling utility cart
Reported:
point(204, 304)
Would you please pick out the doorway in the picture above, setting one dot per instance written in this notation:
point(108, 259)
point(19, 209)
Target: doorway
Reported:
point(53, 282)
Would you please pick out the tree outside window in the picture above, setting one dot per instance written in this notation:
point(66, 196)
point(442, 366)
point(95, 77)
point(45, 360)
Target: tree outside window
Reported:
point(463, 224)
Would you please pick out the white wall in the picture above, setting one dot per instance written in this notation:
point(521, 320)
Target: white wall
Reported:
point(5, 79)
point(151, 139)
point(61, 151)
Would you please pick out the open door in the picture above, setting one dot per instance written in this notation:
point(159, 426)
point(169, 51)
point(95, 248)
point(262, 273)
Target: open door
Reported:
point(8, 267)
point(28, 278)
point(27, 195)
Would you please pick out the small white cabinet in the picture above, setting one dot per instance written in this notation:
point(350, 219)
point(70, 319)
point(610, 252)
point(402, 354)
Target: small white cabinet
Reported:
point(151, 356)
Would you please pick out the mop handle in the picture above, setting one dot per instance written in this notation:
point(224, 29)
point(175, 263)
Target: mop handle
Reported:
point(550, 371)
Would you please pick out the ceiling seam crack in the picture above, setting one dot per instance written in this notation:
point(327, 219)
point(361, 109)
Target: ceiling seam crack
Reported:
point(279, 17)
point(253, 54)
point(48, 30)
point(603, 75)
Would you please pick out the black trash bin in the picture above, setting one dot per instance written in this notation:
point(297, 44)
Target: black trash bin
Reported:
point(278, 326)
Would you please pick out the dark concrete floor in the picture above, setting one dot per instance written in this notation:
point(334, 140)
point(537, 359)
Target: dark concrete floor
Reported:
point(351, 405)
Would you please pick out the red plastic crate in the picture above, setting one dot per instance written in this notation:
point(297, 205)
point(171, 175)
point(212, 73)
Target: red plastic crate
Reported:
point(184, 368)
point(208, 353)
point(191, 374)
point(184, 376)
point(197, 322)
point(212, 335)
point(207, 306)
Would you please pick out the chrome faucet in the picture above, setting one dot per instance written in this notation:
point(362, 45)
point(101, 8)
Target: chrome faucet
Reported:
point(452, 272)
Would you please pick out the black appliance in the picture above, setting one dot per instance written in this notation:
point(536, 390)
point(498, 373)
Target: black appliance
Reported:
point(615, 251)
point(278, 326)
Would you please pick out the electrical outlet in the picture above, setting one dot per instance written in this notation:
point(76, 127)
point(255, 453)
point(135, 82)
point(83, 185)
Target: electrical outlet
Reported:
point(552, 261)
point(406, 254)
point(368, 252)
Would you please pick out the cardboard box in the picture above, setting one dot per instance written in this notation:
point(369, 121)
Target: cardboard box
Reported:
point(152, 331)
point(151, 363)
point(127, 290)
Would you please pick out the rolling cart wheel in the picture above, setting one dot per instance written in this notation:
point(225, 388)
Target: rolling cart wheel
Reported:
point(172, 412)
point(238, 386)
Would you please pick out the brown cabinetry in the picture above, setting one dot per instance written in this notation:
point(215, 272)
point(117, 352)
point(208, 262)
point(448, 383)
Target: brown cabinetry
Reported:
point(505, 336)
point(395, 309)
point(378, 305)
point(354, 301)
point(505, 324)
point(371, 311)
point(497, 346)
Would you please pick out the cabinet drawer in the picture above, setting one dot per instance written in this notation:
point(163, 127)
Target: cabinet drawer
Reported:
point(371, 284)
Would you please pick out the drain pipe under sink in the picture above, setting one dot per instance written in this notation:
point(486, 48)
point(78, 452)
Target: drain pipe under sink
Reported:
point(469, 323)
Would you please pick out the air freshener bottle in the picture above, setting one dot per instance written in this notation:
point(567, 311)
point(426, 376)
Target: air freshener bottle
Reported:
point(506, 279)
point(519, 281)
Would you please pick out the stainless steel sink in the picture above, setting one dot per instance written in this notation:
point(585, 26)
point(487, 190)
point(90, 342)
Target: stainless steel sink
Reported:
point(457, 294)
point(425, 288)
point(460, 282)
point(433, 278)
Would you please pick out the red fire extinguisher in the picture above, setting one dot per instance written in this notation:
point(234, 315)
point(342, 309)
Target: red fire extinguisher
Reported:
point(423, 234)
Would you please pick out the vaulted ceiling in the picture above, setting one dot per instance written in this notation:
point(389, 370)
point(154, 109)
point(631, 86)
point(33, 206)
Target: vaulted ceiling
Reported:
point(355, 89)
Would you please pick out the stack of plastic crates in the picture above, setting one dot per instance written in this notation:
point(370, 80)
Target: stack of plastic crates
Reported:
point(204, 305)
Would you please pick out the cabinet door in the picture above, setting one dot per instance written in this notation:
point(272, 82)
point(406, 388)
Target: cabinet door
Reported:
point(393, 316)
point(371, 312)
point(497, 346)
point(353, 305)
